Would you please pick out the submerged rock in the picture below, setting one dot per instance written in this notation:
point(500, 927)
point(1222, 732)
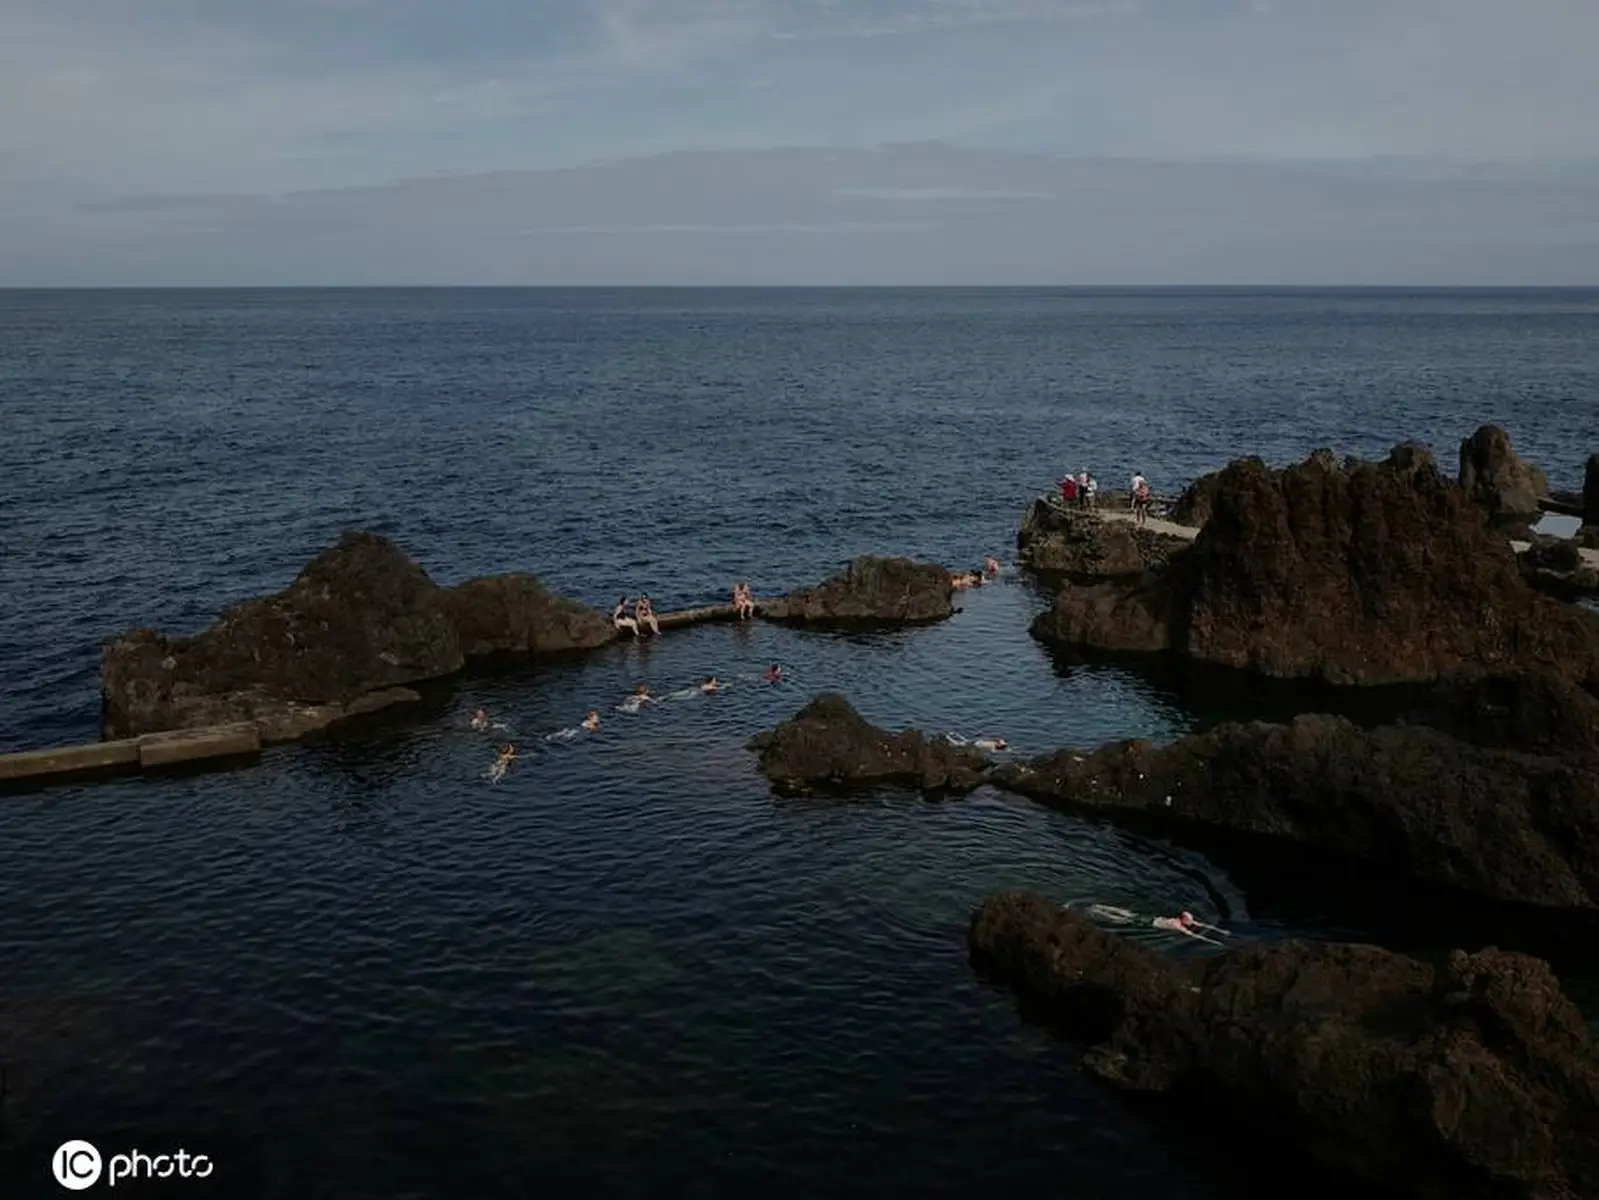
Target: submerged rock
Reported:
point(360, 622)
point(1408, 799)
point(1494, 477)
point(827, 744)
point(872, 589)
point(1354, 574)
point(1081, 545)
point(1475, 1078)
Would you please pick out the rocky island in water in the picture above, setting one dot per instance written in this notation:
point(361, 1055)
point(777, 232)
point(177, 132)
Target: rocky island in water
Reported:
point(1471, 1076)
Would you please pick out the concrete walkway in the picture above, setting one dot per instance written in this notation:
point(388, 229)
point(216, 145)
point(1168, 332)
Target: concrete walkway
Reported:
point(1590, 558)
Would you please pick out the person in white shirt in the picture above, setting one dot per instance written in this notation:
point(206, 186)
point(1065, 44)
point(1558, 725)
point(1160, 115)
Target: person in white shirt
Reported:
point(1138, 481)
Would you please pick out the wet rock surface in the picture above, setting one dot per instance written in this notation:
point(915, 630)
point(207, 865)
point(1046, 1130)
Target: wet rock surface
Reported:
point(827, 745)
point(1356, 573)
point(1475, 1077)
point(357, 625)
point(872, 590)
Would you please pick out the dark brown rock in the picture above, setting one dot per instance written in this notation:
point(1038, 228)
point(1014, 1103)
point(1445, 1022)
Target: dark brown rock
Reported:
point(1368, 574)
point(828, 745)
point(872, 590)
point(359, 623)
point(1553, 554)
point(1493, 476)
point(1081, 545)
point(1193, 506)
point(517, 614)
point(1532, 712)
point(1475, 1078)
point(1408, 799)
point(360, 618)
point(1590, 492)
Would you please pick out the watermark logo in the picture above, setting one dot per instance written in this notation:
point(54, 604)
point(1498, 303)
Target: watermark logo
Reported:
point(76, 1165)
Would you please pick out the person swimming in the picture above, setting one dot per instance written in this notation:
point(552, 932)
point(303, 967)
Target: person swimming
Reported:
point(640, 697)
point(711, 684)
point(644, 614)
point(621, 620)
point(1185, 924)
point(965, 579)
point(991, 567)
point(503, 763)
point(991, 743)
point(774, 674)
point(591, 722)
point(480, 720)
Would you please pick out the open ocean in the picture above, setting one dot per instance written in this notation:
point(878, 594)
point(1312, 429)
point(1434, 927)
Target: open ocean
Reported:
point(359, 970)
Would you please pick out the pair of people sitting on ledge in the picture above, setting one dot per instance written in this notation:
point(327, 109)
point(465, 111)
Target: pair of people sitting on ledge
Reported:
point(643, 614)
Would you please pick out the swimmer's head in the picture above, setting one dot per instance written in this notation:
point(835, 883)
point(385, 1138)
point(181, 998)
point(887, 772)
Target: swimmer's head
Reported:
point(1186, 917)
point(643, 689)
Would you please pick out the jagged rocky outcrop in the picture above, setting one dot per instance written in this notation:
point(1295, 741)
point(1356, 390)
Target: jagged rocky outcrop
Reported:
point(1081, 545)
point(1495, 478)
point(1590, 492)
point(517, 614)
point(828, 745)
point(355, 627)
point(1361, 573)
point(1448, 802)
point(1474, 1078)
point(869, 590)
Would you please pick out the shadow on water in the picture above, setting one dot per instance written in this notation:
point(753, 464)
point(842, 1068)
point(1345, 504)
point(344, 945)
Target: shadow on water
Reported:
point(1214, 694)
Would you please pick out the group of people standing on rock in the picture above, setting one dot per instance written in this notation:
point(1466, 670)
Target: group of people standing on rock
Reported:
point(1082, 491)
point(641, 696)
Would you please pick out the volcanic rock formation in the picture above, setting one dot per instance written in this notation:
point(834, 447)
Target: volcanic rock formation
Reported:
point(359, 623)
point(1081, 545)
point(1512, 813)
point(828, 745)
point(872, 590)
point(1475, 1078)
point(1505, 486)
point(1359, 573)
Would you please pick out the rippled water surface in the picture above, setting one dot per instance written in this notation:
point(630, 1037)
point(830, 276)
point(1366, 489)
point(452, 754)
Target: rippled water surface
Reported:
point(360, 969)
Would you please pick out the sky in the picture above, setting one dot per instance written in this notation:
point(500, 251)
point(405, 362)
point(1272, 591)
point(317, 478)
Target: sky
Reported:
point(217, 142)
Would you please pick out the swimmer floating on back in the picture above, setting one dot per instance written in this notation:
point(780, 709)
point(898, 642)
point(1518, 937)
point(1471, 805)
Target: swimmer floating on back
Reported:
point(1184, 923)
point(502, 763)
point(640, 697)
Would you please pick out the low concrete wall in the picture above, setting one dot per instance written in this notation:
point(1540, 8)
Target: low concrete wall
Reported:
point(192, 745)
point(69, 760)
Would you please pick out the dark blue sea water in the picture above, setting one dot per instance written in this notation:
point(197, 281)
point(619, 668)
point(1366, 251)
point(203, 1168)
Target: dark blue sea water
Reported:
point(358, 969)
